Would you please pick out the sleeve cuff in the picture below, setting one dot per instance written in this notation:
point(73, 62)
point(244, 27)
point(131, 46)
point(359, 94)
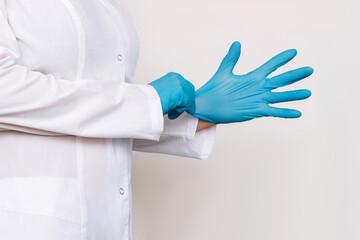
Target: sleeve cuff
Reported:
point(156, 113)
point(206, 143)
point(185, 126)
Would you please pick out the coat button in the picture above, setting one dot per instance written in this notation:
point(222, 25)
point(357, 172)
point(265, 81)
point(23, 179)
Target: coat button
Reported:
point(119, 57)
point(121, 191)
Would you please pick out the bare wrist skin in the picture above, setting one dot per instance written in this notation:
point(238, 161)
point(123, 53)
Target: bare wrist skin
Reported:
point(202, 124)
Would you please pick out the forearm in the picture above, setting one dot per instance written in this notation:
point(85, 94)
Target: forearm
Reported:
point(202, 124)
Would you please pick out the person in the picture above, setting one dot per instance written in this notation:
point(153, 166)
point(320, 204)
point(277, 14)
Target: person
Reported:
point(70, 115)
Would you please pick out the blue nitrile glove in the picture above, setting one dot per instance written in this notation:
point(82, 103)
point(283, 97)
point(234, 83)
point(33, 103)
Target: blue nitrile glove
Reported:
point(175, 92)
point(228, 98)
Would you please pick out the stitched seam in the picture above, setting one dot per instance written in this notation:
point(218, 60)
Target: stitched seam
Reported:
point(79, 143)
point(38, 214)
point(80, 166)
point(187, 126)
point(17, 45)
point(81, 38)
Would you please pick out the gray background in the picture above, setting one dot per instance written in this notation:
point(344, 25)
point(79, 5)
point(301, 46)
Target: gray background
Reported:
point(270, 178)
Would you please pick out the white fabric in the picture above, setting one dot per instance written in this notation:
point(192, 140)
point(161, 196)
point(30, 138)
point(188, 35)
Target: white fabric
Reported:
point(70, 116)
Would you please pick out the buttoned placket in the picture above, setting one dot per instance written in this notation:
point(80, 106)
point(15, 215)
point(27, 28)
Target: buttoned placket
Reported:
point(123, 178)
point(123, 168)
point(119, 55)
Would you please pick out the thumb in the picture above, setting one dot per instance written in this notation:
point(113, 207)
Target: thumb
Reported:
point(190, 108)
point(231, 58)
point(175, 113)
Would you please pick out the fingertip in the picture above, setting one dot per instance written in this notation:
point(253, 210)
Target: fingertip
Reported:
point(292, 113)
point(237, 44)
point(307, 70)
point(297, 114)
point(284, 57)
point(235, 49)
point(304, 93)
point(232, 57)
point(292, 52)
point(173, 115)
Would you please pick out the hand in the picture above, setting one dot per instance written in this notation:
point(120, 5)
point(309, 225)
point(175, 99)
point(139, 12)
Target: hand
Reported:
point(175, 92)
point(228, 98)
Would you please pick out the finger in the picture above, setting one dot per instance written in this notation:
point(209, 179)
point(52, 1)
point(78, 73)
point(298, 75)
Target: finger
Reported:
point(282, 112)
point(290, 77)
point(189, 101)
point(190, 88)
point(188, 106)
point(277, 61)
point(192, 108)
point(173, 114)
point(277, 97)
point(231, 58)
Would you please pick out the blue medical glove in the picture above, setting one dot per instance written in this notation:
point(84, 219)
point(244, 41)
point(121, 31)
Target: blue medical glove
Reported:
point(175, 93)
point(228, 98)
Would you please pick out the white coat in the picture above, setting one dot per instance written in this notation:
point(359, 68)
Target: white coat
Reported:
point(70, 116)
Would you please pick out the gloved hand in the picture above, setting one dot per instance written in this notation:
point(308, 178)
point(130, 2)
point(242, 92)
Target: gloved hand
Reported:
point(175, 93)
point(228, 98)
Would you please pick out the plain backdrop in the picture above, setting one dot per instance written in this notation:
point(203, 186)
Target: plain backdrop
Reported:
point(269, 178)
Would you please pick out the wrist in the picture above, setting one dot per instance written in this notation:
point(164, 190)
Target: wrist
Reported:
point(202, 124)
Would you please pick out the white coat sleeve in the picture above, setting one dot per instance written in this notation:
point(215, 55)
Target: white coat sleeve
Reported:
point(180, 138)
point(33, 102)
